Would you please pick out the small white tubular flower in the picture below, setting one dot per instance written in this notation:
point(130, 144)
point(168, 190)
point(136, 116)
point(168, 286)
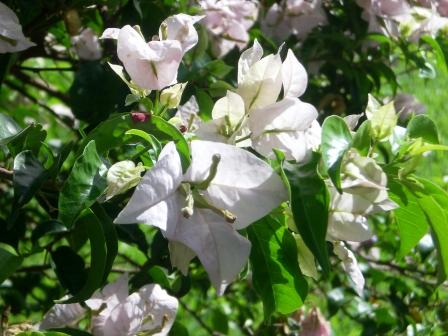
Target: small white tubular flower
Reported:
point(61, 315)
point(260, 84)
point(203, 209)
point(350, 266)
point(171, 96)
point(122, 176)
point(289, 125)
point(180, 27)
point(117, 313)
point(11, 35)
point(87, 45)
point(186, 117)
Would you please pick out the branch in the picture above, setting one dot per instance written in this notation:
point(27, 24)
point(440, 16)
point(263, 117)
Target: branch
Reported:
point(7, 174)
point(64, 120)
point(38, 85)
point(197, 318)
point(33, 69)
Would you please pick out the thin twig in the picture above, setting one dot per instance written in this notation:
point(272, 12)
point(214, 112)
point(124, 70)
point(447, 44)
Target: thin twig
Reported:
point(25, 68)
point(64, 120)
point(7, 174)
point(41, 86)
point(197, 318)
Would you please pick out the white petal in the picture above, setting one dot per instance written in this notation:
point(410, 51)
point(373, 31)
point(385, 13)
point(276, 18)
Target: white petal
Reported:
point(222, 251)
point(210, 131)
point(112, 294)
point(61, 315)
point(157, 185)
point(350, 265)
point(230, 106)
point(110, 33)
point(180, 256)
point(288, 125)
point(294, 76)
point(348, 226)
point(180, 27)
point(11, 31)
point(248, 58)
point(244, 184)
point(262, 83)
point(160, 306)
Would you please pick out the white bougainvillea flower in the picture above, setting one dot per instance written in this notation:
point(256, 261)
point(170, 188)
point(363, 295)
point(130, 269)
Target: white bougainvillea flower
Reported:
point(61, 315)
point(350, 266)
point(203, 208)
point(152, 65)
point(87, 45)
point(11, 35)
point(228, 22)
point(289, 125)
point(122, 176)
point(186, 117)
point(150, 310)
point(364, 193)
point(293, 17)
point(180, 27)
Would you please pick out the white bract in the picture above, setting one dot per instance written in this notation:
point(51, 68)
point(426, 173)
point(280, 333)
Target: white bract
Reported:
point(87, 45)
point(11, 35)
point(122, 176)
point(364, 193)
point(116, 313)
point(225, 189)
point(153, 65)
point(253, 117)
point(350, 266)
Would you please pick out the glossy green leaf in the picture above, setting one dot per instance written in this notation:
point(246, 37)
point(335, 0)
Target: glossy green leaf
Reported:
point(111, 133)
point(438, 52)
point(9, 261)
point(410, 218)
point(43, 333)
point(29, 174)
point(47, 228)
point(423, 127)
point(99, 261)
point(110, 236)
point(276, 273)
point(30, 138)
point(8, 127)
point(336, 140)
point(310, 203)
point(85, 184)
point(69, 268)
point(434, 202)
point(70, 331)
point(218, 68)
point(362, 139)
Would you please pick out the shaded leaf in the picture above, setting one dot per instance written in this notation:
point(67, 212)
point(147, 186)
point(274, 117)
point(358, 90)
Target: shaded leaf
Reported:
point(423, 127)
point(9, 261)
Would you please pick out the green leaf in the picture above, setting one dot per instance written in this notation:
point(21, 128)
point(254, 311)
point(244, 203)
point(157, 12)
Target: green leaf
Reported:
point(336, 140)
point(438, 52)
point(423, 127)
point(111, 133)
point(310, 203)
point(8, 127)
point(9, 261)
point(69, 268)
point(205, 103)
point(411, 220)
point(218, 68)
point(96, 92)
point(178, 329)
point(30, 138)
point(276, 273)
point(362, 139)
point(434, 202)
point(47, 227)
point(71, 331)
point(84, 185)
point(29, 174)
point(110, 236)
point(44, 333)
point(99, 259)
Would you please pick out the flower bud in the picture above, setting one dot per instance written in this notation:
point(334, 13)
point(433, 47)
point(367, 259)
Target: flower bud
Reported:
point(315, 324)
point(122, 176)
point(171, 96)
